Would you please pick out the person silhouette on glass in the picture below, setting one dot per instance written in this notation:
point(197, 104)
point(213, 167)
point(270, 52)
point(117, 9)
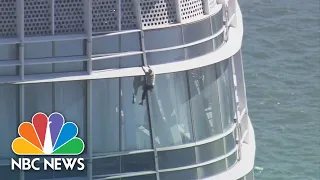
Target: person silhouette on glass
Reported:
point(149, 83)
point(137, 82)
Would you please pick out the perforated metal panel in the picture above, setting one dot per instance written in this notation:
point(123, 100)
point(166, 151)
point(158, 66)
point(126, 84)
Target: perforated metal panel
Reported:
point(8, 18)
point(191, 9)
point(104, 15)
point(128, 17)
point(37, 17)
point(157, 12)
point(69, 16)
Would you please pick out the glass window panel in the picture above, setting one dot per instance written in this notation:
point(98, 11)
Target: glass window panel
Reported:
point(36, 175)
point(135, 121)
point(197, 31)
point(105, 115)
point(9, 70)
point(205, 102)
point(106, 166)
point(72, 174)
point(163, 57)
point(176, 158)
point(250, 176)
point(137, 162)
point(9, 52)
point(38, 69)
point(212, 169)
point(131, 61)
point(130, 42)
point(199, 49)
point(105, 45)
point(218, 41)
point(188, 174)
point(162, 38)
point(69, 67)
point(217, 21)
point(70, 100)
point(38, 101)
point(209, 151)
point(69, 48)
point(230, 141)
point(238, 66)
point(231, 87)
point(9, 111)
point(170, 110)
point(5, 171)
point(227, 85)
point(232, 159)
point(224, 94)
point(145, 177)
point(111, 63)
point(38, 50)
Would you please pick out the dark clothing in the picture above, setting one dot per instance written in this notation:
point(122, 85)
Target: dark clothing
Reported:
point(145, 90)
point(137, 82)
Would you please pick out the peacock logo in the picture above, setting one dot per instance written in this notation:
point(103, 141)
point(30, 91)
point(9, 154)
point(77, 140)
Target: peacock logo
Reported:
point(48, 136)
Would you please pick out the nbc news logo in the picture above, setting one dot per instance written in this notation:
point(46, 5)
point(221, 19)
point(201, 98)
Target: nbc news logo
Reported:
point(48, 136)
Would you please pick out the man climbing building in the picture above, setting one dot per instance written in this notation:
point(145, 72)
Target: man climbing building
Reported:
point(149, 83)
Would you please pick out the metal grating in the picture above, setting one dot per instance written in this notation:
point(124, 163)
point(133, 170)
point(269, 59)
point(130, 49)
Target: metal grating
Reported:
point(37, 18)
point(69, 16)
point(128, 17)
point(157, 12)
point(8, 18)
point(104, 15)
point(191, 9)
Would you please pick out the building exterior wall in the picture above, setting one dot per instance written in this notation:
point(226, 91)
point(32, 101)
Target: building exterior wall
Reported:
point(187, 128)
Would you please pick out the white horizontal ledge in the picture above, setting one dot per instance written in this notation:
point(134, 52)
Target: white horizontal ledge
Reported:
point(55, 38)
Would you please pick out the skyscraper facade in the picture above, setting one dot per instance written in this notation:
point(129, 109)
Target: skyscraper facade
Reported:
point(84, 58)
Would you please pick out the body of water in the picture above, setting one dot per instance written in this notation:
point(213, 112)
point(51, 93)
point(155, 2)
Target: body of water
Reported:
point(282, 70)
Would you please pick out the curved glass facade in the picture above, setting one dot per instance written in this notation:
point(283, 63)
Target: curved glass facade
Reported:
point(187, 122)
point(186, 128)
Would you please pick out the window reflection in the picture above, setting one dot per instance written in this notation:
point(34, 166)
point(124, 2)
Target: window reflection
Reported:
point(212, 169)
point(230, 141)
point(217, 21)
point(9, 70)
point(209, 151)
point(9, 52)
point(188, 174)
point(105, 115)
point(170, 110)
point(135, 123)
point(199, 49)
point(9, 113)
point(204, 102)
point(197, 30)
point(123, 124)
point(224, 94)
point(176, 158)
point(68, 98)
point(163, 57)
point(232, 159)
point(145, 177)
point(123, 164)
